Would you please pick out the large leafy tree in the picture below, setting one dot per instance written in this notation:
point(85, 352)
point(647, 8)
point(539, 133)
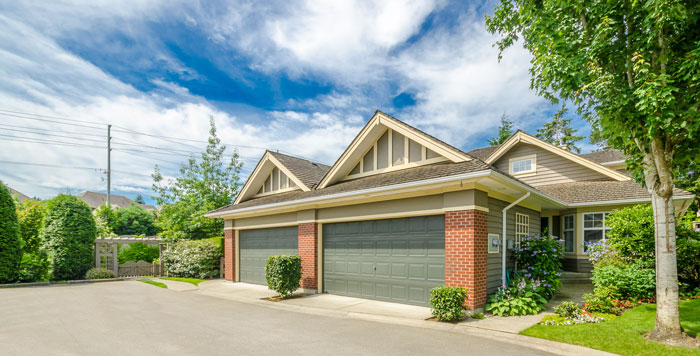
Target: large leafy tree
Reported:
point(10, 243)
point(559, 132)
point(135, 220)
point(632, 68)
point(203, 185)
point(504, 131)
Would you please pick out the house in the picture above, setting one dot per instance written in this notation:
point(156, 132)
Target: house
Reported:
point(95, 200)
point(401, 212)
point(20, 197)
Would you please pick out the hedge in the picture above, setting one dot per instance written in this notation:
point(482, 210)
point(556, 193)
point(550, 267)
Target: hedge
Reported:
point(10, 243)
point(69, 235)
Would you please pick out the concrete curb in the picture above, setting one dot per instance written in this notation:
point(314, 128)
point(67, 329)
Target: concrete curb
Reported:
point(54, 284)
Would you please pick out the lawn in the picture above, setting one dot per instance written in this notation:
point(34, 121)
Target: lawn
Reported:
point(624, 335)
point(194, 281)
point(154, 283)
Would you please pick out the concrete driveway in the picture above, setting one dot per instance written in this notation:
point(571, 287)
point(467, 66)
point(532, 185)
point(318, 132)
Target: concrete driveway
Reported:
point(133, 318)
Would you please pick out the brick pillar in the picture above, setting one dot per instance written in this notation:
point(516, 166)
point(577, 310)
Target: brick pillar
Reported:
point(229, 254)
point(308, 250)
point(466, 244)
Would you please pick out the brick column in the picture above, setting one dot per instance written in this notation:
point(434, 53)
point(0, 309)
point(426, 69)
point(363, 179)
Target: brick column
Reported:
point(229, 254)
point(308, 250)
point(466, 244)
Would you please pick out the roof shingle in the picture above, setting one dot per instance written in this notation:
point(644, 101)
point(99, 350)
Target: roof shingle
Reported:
point(309, 173)
point(603, 156)
point(597, 191)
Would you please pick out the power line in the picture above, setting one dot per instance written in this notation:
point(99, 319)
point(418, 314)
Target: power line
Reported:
point(53, 117)
point(53, 135)
point(153, 158)
point(48, 142)
point(49, 130)
point(53, 121)
point(101, 170)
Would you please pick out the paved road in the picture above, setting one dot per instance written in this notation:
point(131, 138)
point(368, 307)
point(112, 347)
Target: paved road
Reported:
point(133, 318)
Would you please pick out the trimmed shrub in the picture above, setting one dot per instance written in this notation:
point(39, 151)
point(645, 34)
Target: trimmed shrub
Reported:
point(603, 300)
point(69, 234)
point(30, 215)
point(283, 273)
point(10, 243)
point(192, 259)
point(448, 302)
point(99, 273)
point(108, 220)
point(138, 251)
point(567, 309)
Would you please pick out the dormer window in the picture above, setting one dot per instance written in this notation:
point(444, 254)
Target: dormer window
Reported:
point(523, 165)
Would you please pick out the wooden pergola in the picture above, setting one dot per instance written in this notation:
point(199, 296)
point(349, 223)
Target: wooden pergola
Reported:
point(107, 249)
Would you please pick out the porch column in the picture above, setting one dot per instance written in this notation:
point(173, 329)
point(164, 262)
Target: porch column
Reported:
point(308, 250)
point(466, 250)
point(229, 254)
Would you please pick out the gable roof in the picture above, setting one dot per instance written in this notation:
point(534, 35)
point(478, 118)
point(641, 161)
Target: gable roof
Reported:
point(601, 191)
point(483, 153)
point(310, 173)
point(414, 174)
point(371, 132)
point(95, 200)
point(521, 136)
point(21, 197)
point(605, 156)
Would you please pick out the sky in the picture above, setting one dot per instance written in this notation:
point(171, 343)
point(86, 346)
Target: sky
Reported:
point(300, 77)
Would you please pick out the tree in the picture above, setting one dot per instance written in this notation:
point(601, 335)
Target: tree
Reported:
point(559, 132)
point(106, 219)
point(10, 243)
point(632, 68)
point(135, 220)
point(504, 131)
point(68, 234)
point(139, 199)
point(203, 185)
point(138, 251)
point(596, 138)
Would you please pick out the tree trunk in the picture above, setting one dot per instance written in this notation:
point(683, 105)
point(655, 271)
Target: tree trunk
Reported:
point(668, 325)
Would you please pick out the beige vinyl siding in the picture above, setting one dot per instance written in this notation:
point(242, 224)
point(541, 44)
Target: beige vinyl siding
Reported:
point(493, 279)
point(551, 168)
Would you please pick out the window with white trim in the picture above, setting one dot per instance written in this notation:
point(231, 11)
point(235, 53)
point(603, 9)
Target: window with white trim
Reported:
point(568, 232)
point(522, 227)
point(594, 227)
point(522, 165)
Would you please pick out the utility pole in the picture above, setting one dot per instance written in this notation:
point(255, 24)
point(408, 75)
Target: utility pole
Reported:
point(109, 164)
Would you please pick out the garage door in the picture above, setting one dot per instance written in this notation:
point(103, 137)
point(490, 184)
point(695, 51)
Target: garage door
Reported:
point(257, 245)
point(396, 260)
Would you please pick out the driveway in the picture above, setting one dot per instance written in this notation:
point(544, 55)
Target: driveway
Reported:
point(133, 318)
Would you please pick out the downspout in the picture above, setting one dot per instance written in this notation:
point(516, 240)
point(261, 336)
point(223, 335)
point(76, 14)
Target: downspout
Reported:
point(504, 246)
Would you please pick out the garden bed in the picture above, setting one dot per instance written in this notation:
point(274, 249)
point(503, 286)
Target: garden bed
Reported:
point(625, 334)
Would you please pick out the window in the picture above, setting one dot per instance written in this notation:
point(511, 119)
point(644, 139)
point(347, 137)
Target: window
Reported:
point(522, 165)
point(568, 233)
point(522, 227)
point(594, 227)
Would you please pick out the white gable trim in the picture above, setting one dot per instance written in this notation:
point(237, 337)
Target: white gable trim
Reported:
point(371, 132)
point(260, 173)
point(525, 138)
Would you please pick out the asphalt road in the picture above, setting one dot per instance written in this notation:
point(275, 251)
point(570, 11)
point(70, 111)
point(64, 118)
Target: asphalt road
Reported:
point(133, 318)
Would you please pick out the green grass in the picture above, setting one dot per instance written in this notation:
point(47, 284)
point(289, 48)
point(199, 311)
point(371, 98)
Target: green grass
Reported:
point(624, 335)
point(194, 281)
point(154, 283)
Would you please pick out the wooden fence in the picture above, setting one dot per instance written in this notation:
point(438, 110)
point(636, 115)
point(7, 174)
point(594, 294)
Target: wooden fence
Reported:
point(139, 269)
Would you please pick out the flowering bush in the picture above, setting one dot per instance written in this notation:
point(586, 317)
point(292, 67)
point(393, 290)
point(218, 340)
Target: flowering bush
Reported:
point(194, 259)
point(522, 298)
point(606, 300)
point(581, 318)
point(599, 251)
point(539, 259)
point(567, 309)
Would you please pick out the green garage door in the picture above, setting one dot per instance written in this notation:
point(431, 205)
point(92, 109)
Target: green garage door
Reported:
point(395, 260)
point(257, 245)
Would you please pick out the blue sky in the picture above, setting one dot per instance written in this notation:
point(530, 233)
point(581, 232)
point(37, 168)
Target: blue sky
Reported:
point(301, 77)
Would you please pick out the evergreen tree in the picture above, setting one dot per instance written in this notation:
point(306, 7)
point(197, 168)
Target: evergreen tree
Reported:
point(10, 243)
point(203, 185)
point(559, 132)
point(504, 131)
point(596, 138)
point(139, 199)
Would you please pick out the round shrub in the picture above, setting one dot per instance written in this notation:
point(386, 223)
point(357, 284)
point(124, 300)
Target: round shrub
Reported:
point(30, 215)
point(135, 220)
point(283, 273)
point(192, 259)
point(632, 281)
point(99, 273)
point(10, 243)
point(34, 267)
point(448, 302)
point(567, 309)
point(69, 236)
